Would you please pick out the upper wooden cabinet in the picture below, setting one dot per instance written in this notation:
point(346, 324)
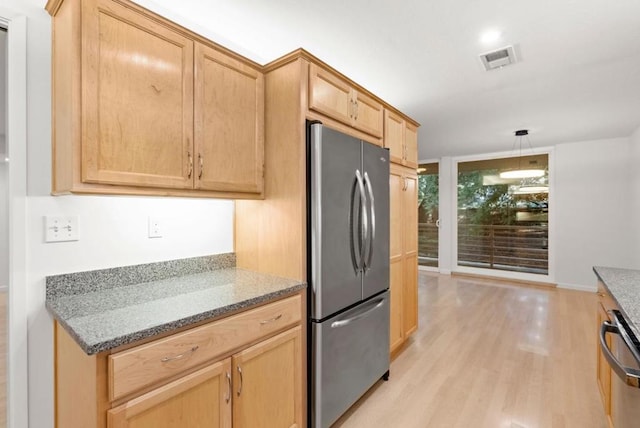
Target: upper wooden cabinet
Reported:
point(334, 97)
point(229, 123)
point(143, 106)
point(401, 137)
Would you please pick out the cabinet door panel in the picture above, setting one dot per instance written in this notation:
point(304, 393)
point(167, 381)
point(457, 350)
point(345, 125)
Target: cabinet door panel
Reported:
point(268, 383)
point(410, 294)
point(396, 336)
point(410, 215)
point(201, 399)
point(396, 194)
point(229, 128)
point(368, 115)
point(329, 95)
point(411, 146)
point(137, 100)
point(603, 368)
point(394, 136)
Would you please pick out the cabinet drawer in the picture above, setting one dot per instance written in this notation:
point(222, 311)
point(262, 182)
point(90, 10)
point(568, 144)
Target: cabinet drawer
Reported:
point(153, 362)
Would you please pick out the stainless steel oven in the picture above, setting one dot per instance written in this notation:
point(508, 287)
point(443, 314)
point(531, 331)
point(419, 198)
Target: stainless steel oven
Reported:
point(624, 360)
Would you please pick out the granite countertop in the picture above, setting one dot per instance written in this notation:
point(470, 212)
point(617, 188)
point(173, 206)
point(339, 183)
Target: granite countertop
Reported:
point(624, 286)
point(105, 309)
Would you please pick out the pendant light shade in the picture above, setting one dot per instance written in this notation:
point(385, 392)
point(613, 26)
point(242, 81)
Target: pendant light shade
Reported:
point(522, 172)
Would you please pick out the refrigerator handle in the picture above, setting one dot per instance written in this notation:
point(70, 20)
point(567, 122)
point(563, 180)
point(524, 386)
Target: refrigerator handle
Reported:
point(366, 310)
point(372, 230)
point(364, 219)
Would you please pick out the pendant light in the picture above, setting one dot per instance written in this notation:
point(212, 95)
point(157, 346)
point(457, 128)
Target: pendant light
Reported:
point(522, 172)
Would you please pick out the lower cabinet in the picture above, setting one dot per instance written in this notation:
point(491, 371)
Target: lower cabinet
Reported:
point(201, 399)
point(245, 370)
point(257, 387)
point(403, 251)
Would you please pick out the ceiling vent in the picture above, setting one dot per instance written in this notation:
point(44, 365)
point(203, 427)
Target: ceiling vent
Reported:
point(498, 58)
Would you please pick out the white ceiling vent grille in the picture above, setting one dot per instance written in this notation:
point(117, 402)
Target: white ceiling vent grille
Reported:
point(498, 58)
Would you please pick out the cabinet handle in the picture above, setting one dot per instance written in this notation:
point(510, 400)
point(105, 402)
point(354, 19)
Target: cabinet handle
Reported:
point(404, 149)
point(601, 294)
point(355, 103)
point(240, 386)
point(190, 165)
point(351, 108)
point(228, 397)
point(181, 356)
point(201, 165)
point(271, 320)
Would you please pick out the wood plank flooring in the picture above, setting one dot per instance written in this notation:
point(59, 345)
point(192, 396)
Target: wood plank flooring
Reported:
point(491, 354)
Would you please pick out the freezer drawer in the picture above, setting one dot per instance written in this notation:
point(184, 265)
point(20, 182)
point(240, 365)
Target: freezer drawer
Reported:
point(350, 352)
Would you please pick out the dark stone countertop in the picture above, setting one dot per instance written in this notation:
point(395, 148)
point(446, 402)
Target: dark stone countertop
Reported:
point(624, 286)
point(114, 311)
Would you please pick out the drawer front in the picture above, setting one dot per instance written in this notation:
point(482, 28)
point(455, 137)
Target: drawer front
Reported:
point(153, 362)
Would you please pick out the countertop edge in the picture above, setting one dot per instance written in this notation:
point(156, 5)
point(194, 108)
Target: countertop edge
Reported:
point(107, 345)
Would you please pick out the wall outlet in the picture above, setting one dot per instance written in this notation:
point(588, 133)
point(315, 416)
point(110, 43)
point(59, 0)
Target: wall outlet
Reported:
point(155, 227)
point(60, 229)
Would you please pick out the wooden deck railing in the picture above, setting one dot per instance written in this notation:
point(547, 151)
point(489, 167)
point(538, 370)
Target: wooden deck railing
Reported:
point(515, 248)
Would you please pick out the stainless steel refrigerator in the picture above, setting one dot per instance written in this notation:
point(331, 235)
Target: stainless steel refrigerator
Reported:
point(348, 238)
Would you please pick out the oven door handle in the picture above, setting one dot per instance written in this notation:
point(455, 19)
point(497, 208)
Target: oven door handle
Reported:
point(630, 376)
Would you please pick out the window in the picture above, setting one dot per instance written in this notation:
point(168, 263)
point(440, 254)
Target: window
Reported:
point(428, 216)
point(503, 222)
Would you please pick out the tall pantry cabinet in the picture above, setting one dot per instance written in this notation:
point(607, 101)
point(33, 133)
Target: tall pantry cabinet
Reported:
point(271, 234)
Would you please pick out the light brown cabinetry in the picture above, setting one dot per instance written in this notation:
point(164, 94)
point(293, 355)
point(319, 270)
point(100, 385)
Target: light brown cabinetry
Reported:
point(603, 370)
point(334, 97)
point(143, 106)
point(245, 370)
point(403, 254)
point(401, 138)
point(199, 399)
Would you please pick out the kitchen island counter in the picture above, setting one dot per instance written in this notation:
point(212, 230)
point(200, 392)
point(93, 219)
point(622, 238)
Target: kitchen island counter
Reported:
point(624, 287)
point(108, 308)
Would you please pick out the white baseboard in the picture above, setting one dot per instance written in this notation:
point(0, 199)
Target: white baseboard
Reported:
point(591, 288)
point(445, 271)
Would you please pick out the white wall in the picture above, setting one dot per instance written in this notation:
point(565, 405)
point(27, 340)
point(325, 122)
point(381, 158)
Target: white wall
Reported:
point(634, 159)
point(4, 190)
point(113, 230)
point(592, 209)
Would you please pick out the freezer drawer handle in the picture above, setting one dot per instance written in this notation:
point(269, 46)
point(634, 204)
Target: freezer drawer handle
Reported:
point(181, 356)
point(356, 317)
point(271, 320)
point(372, 230)
point(630, 376)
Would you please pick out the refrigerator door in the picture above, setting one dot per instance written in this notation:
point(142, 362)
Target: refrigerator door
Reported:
point(338, 223)
point(350, 352)
point(376, 261)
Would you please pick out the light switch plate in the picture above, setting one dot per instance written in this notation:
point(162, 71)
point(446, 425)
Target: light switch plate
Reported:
point(61, 229)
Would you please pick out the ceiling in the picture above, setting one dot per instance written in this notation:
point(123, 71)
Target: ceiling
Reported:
point(578, 77)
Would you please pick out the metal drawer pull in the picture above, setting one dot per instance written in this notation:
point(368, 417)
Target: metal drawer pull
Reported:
point(201, 165)
point(228, 397)
point(190, 165)
point(181, 356)
point(240, 387)
point(271, 320)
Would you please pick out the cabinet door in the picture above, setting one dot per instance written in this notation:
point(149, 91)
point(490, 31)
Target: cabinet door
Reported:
point(229, 123)
point(330, 95)
point(137, 99)
point(394, 136)
point(368, 114)
point(603, 370)
point(410, 254)
point(396, 189)
point(268, 383)
point(411, 145)
point(396, 328)
point(200, 399)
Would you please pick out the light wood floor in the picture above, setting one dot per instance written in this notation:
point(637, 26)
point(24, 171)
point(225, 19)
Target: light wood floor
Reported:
point(489, 354)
